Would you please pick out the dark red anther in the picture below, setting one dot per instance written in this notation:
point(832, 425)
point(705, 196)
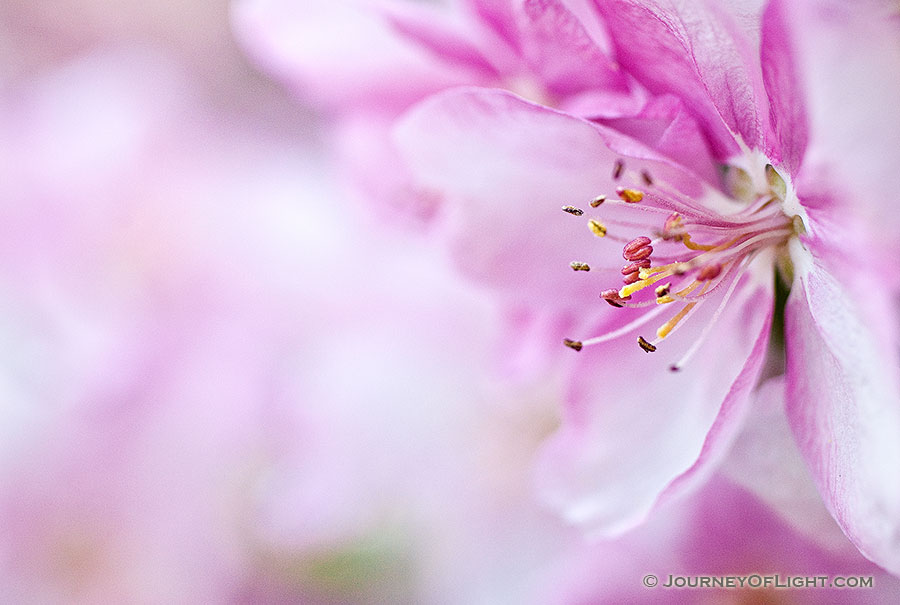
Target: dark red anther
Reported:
point(636, 266)
point(636, 244)
point(632, 278)
point(639, 254)
point(709, 272)
point(612, 297)
point(617, 169)
point(673, 228)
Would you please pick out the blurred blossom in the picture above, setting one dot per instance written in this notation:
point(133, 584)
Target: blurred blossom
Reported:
point(746, 181)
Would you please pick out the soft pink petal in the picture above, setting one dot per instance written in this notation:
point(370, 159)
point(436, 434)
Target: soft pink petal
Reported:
point(847, 60)
point(697, 52)
point(500, 17)
point(765, 460)
point(666, 125)
point(844, 402)
point(342, 52)
point(505, 167)
point(784, 85)
point(635, 430)
point(560, 50)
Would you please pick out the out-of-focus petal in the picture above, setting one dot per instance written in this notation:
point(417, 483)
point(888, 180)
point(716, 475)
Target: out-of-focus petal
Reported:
point(765, 460)
point(636, 430)
point(843, 381)
point(506, 167)
point(784, 85)
point(847, 64)
point(697, 52)
point(666, 125)
point(341, 52)
point(559, 48)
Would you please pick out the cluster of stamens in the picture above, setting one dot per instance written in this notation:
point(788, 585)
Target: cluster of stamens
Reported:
point(687, 252)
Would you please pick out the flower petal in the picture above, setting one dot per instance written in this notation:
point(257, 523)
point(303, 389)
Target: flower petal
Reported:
point(847, 65)
point(697, 52)
point(844, 402)
point(764, 459)
point(341, 52)
point(784, 85)
point(560, 49)
point(505, 168)
point(636, 431)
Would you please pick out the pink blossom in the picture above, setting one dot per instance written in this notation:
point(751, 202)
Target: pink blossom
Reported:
point(808, 167)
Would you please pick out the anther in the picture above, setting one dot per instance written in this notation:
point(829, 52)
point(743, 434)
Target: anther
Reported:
point(648, 180)
point(632, 278)
point(573, 210)
point(617, 169)
point(673, 228)
point(597, 228)
point(597, 201)
point(636, 266)
point(631, 196)
point(576, 266)
point(612, 297)
point(709, 272)
point(663, 290)
point(648, 348)
point(674, 368)
point(635, 245)
point(639, 254)
point(573, 344)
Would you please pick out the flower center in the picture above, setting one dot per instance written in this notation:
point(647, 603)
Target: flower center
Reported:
point(686, 254)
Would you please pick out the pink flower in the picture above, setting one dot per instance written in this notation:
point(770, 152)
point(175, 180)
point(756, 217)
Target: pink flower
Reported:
point(800, 121)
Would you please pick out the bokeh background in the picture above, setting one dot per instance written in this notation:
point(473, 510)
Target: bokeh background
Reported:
point(226, 378)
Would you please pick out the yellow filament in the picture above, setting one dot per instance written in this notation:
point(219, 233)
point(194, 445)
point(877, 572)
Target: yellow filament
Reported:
point(686, 240)
point(645, 273)
point(640, 285)
point(667, 327)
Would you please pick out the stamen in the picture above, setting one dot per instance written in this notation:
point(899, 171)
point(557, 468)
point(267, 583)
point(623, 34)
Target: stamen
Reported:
point(636, 266)
point(675, 367)
point(665, 329)
point(597, 228)
point(709, 272)
point(573, 210)
point(640, 253)
point(617, 169)
point(648, 180)
point(628, 290)
point(612, 297)
point(663, 290)
point(632, 196)
point(576, 266)
point(573, 344)
point(597, 201)
point(637, 249)
point(632, 278)
point(649, 348)
point(673, 227)
point(626, 329)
